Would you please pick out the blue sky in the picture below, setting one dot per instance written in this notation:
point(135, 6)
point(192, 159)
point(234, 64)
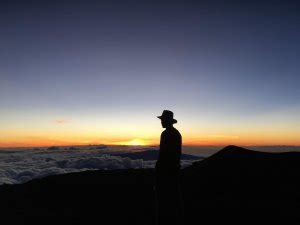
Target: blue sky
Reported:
point(219, 66)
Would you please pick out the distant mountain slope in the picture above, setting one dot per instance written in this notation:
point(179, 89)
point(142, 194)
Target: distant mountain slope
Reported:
point(235, 185)
point(237, 160)
point(152, 155)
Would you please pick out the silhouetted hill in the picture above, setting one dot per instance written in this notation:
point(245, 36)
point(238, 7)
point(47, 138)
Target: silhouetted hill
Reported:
point(237, 160)
point(235, 185)
point(244, 185)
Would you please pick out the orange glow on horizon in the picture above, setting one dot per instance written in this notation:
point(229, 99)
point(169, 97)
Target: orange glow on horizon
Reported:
point(60, 137)
point(187, 141)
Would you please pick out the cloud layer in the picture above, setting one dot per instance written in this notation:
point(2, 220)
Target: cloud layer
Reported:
point(19, 166)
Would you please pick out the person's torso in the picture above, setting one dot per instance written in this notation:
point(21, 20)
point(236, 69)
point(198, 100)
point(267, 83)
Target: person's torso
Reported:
point(170, 148)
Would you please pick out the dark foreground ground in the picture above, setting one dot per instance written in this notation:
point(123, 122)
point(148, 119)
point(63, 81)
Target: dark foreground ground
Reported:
point(235, 185)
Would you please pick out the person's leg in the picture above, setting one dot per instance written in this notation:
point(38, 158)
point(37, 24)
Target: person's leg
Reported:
point(161, 199)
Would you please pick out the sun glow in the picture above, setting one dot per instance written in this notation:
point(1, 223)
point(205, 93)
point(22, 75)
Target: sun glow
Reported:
point(135, 142)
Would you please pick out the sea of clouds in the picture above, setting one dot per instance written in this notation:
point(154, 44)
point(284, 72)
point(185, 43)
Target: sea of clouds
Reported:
point(19, 166)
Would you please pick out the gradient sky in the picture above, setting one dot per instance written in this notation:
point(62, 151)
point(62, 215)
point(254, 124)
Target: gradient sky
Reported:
point(84, 72)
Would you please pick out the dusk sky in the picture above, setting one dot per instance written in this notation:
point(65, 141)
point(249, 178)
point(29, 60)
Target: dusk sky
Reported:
point(91, 72)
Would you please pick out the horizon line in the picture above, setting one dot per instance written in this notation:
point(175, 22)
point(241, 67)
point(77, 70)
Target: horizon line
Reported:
point(146, 145)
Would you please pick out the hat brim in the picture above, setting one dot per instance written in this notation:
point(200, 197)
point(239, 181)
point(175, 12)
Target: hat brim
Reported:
point(161, 118)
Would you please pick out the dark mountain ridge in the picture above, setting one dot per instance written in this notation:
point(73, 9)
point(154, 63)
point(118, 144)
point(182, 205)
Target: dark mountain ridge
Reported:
point(235, 185)
point(233, 159)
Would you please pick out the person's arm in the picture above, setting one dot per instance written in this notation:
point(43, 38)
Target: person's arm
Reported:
point(177, 149)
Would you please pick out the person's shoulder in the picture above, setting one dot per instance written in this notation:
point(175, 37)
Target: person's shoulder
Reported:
point(176, 132)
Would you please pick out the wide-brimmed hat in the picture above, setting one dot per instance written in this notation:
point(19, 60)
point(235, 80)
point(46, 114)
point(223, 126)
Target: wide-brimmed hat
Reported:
point(167, 115)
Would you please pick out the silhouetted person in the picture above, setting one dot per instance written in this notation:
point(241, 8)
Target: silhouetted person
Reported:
point(167, 172)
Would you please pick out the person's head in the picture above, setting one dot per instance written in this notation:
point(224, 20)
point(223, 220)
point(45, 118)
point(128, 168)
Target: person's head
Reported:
point(166, 123)
point(167, 119)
